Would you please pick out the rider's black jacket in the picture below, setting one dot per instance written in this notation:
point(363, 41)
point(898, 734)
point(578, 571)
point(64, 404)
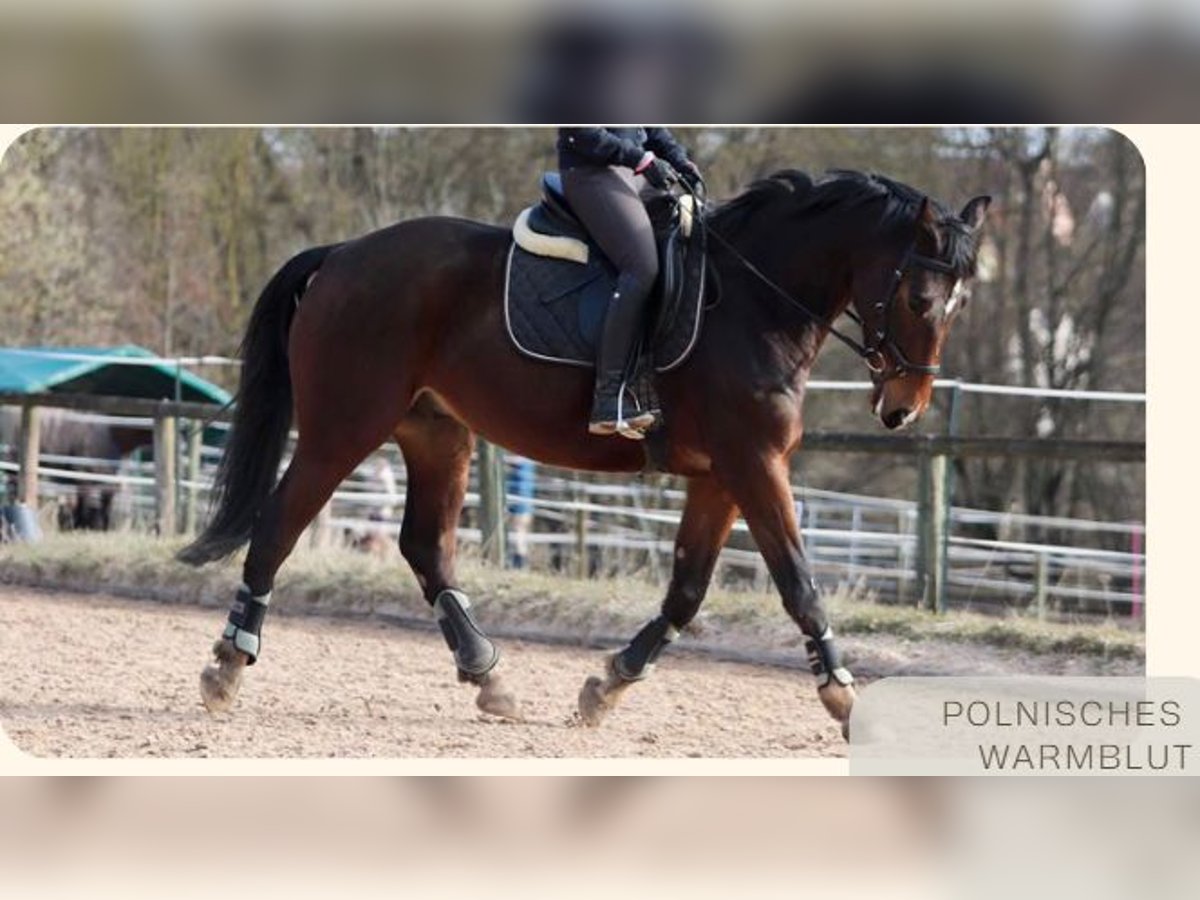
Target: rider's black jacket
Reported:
point(616, 147)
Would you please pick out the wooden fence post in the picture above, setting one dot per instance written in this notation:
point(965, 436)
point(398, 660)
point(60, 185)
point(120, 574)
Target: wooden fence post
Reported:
point(165, 449)
point(191, 509)
point(1041, 577)
point(855, 527)
point(581, 546)
point(932, 515)
point(904, 557)
point(27, 481)
point(491, 503)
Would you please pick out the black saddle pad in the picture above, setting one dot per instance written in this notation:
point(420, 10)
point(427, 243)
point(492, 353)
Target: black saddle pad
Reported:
point(554, 308)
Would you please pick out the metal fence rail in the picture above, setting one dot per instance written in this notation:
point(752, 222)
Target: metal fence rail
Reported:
point(904, 550)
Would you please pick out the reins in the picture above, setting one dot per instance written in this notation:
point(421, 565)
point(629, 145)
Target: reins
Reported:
point(873, 356)
point(850, 342)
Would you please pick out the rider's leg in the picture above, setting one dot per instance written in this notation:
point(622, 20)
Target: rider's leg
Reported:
point(606, 200)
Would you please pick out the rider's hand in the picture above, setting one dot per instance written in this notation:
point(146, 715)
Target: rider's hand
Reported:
point(657, 172)
point(690, 175)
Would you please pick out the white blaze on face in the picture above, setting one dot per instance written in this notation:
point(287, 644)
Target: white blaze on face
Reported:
point(956, 297)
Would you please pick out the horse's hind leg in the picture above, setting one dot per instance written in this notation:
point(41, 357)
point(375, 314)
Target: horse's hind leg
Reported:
point(305, 488)
point(708, 514)
point(437, 456)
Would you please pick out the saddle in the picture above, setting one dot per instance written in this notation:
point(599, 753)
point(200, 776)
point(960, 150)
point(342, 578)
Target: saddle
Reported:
point(558, 284)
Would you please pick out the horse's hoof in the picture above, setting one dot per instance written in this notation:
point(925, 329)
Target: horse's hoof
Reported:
point(838, 700)
point(599, 695)
point(497, 700)
point(217, 689)
point(593, 702)
point(219, 684)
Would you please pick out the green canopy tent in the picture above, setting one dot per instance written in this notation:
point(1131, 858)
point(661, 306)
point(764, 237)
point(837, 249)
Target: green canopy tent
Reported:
point(100, 370)
point(127, 371)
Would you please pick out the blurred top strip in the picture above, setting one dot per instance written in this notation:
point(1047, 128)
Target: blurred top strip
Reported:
point(365, 62)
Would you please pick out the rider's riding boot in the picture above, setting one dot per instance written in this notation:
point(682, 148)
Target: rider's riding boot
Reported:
point(613, 407)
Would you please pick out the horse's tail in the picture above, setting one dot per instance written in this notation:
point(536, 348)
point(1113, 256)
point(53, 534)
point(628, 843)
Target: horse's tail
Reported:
point(261, 418)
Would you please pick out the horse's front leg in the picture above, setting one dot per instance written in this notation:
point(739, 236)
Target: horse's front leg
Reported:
point(708, 514)
point(759, 484)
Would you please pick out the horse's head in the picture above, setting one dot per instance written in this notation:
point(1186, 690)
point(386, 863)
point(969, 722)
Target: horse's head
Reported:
point(908, 299)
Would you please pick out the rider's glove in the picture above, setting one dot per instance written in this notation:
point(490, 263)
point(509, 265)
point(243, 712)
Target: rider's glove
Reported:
point(690, 175)
point(657, 172)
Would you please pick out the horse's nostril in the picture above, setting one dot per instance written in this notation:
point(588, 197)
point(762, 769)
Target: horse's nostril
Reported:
point(895, 418)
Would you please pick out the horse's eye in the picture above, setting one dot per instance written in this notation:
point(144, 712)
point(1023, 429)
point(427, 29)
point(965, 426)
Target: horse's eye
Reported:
point(918, 303)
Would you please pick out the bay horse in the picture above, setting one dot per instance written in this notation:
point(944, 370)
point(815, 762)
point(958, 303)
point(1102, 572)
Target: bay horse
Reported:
point(400, 334)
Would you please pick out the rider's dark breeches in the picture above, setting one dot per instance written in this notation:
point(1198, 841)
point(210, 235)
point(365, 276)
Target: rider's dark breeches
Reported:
point(606, 200)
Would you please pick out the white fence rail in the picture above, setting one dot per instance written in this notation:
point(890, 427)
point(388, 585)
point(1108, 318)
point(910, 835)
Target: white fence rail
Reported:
point(855, 539)
point(988, 557)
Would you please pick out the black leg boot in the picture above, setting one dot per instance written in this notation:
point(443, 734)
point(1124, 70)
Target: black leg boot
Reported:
point(614, 409)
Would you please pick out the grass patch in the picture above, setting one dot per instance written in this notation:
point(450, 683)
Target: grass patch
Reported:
point(1016, 631)
point(338, 582)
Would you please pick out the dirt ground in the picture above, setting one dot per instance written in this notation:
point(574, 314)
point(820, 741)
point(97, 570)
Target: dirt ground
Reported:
point(96, 675)
point(100, 676)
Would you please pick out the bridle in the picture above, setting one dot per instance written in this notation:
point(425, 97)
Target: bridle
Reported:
point(873, 354)
point(882, 346)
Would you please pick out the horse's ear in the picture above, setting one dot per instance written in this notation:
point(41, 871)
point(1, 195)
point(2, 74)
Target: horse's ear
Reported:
point(975, 212)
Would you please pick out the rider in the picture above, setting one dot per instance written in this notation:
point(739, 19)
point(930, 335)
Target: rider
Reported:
point(604, 171)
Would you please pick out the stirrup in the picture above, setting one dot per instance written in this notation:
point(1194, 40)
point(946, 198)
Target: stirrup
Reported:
point(634, 428)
